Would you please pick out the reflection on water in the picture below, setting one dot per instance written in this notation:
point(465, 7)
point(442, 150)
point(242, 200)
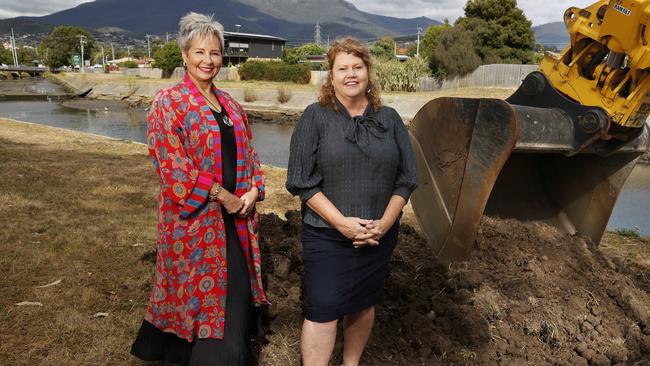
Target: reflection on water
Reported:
point(126, 124)
point(271, 140)
point(633, 205)
point(272, 143)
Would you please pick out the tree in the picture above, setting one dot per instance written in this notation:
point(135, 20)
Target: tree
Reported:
point(168, 58)
point(297, 54)
point(6, 57)
point(312, 49)
point(501, 31)
point(383, 49)
point(26, 55)
point(429, 43)
point(455, 53)
point(63, 43)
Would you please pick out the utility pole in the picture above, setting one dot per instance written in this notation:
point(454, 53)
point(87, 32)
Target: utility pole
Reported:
point(103, 59)
point(148, 46)
point(317, 39)
point(166, 37)
point(13, 48)
point(112, 52)
point(417, 52)
point(81, 40)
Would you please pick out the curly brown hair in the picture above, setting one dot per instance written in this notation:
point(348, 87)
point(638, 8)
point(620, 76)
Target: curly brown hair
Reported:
point(354, 47)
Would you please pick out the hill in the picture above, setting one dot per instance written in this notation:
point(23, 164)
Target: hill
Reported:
point(552, 34)
point(291, 19)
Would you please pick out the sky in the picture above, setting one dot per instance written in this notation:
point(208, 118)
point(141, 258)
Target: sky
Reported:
point(550, 11)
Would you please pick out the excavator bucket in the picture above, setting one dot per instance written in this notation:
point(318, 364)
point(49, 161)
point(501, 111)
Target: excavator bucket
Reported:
point(461, 146)
point(488, 156)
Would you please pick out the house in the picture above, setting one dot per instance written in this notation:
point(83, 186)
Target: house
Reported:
point(242, 46)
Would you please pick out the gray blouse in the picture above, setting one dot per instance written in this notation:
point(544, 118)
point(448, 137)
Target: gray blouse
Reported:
point(357, 162)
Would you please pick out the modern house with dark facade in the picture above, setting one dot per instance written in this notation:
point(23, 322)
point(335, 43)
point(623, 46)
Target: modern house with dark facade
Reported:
point(242, 46)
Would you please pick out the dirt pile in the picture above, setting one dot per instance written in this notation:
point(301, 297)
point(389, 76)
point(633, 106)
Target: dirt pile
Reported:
point(528, 295)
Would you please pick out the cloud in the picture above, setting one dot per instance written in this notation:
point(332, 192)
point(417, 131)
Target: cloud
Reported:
point(550, 11)
point(14, 8)
point(538, 13)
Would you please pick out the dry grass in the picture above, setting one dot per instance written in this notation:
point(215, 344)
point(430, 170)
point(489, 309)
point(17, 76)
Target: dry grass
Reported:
point(284, 95)
point(249, 95)
point(81, 209)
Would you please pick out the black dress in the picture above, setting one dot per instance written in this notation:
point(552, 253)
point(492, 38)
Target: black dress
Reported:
point(152, 344)
point(358, 163)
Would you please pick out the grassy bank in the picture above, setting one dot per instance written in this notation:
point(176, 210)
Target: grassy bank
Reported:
point(78, 214)
point(80, 209)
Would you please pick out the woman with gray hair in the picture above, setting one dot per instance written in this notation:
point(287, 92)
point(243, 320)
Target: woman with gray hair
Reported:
point(207, 274)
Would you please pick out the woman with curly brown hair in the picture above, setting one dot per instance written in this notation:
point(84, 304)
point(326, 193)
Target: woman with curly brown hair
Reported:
point(353, 167)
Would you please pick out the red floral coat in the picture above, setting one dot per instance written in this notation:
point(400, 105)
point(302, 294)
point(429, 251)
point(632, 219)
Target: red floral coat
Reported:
point(189, 291)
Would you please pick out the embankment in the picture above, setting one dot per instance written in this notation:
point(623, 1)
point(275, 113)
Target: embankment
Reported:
point(254, 96)
point(79, 242)
point(260, 99)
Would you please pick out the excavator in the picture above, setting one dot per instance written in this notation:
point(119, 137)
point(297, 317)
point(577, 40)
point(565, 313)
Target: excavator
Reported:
point(558, 150)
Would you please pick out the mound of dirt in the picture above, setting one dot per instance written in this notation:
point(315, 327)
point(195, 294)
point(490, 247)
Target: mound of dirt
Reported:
point(528, 295)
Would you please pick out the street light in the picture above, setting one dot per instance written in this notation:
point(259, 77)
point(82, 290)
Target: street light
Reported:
point(237, 25)
point(81, 40)
point(417, 52)
point(148, 47)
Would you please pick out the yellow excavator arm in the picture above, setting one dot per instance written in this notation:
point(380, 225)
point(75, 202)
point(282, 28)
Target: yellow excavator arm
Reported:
point(558, 150)
point(608, 61)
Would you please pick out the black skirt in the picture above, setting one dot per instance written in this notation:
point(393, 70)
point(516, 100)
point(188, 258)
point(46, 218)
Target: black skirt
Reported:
point(339, 279)
point(152, 344)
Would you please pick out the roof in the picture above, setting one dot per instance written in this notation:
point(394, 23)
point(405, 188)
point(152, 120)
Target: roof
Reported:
point(253, 35)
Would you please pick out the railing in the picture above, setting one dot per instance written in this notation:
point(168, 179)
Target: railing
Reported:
point(29, 69)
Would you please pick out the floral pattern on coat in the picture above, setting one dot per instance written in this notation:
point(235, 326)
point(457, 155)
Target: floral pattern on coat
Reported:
point(189, 291)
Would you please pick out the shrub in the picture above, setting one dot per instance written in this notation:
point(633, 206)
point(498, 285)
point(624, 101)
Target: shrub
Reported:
point(400, 76)
point(168, 58)
point(629, 233)
point(275, 71)
point(129, 64)
point(284, 95)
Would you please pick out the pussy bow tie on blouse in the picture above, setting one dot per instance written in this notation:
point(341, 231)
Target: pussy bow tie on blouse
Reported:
point(361, 127)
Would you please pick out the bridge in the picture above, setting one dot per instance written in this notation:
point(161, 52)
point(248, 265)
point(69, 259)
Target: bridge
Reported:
point(17, 70)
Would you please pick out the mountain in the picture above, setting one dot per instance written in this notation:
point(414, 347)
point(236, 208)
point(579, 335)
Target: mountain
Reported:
point(552, 35)
point(291, 19)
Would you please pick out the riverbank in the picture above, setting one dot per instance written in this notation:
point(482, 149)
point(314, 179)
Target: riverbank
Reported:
point(260, 99)
point(254, 96)
point(30, 88)
point(78, 241)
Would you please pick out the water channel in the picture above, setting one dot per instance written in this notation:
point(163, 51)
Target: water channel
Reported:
point(271, 141)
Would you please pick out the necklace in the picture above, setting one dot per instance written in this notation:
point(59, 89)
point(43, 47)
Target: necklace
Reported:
point(218, 109)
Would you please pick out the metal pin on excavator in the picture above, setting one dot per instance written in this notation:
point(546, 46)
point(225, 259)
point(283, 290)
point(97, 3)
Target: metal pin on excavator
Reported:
point(558, 150)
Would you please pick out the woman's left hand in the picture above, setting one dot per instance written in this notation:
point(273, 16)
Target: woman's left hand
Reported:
point(378, 228)
point(249, 198)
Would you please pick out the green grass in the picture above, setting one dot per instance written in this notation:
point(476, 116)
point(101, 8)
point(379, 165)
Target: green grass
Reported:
point(629, 232)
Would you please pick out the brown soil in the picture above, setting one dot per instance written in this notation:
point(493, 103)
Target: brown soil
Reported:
point(528, 295)
point(80, 209)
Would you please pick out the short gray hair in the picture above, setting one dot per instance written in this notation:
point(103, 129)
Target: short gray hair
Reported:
point(194, 25)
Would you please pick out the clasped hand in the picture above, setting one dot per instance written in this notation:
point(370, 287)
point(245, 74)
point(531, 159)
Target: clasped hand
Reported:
point(362, 232)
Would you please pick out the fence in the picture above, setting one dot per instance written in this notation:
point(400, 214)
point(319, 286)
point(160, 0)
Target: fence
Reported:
point(318, 77)
point(495, 75)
